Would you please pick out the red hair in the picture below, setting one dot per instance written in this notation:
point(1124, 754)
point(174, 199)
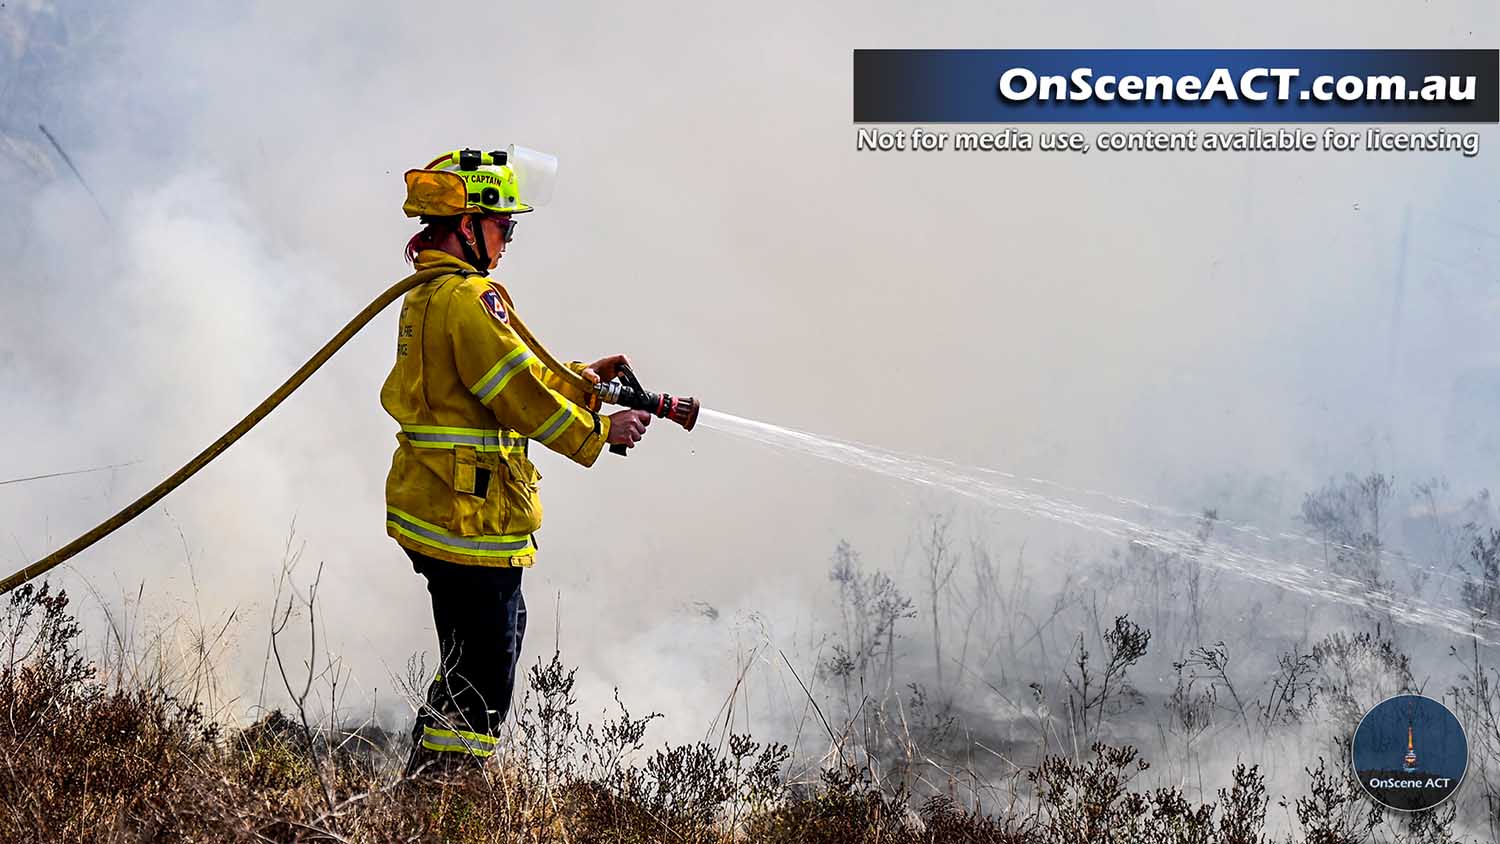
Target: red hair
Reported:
point(433, 230)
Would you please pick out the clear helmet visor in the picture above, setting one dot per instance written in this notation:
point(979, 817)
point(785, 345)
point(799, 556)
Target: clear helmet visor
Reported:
point(536, 174)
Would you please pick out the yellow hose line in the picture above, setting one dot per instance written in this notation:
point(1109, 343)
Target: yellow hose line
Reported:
point(261, 411)
point(577, 381)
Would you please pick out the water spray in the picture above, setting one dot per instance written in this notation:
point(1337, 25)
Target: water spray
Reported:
point(1236, 554)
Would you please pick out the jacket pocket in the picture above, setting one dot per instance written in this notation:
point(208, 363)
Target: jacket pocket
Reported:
point(522, 503)
point(479, 498)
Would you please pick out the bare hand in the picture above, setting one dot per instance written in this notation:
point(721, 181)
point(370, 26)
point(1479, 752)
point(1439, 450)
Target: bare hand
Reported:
point(626, 427)
point(605, 369)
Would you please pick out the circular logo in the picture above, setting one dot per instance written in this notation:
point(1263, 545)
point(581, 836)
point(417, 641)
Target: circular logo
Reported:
point(1410, 753)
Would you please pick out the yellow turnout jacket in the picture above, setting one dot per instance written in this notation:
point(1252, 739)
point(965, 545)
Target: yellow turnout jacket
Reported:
point(469, 395)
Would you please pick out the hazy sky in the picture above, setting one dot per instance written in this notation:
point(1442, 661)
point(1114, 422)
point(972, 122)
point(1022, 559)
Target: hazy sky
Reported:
point(1157, 325)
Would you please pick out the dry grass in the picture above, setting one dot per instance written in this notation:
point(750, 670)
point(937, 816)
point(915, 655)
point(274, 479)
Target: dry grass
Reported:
point(88, 760)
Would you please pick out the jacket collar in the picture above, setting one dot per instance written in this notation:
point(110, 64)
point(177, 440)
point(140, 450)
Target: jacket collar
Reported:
point(433, 259)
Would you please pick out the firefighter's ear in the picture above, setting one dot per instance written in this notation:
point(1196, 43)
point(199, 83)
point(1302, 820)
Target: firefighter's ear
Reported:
point(466, 227)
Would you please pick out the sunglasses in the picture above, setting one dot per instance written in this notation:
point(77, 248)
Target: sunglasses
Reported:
point(508, 228)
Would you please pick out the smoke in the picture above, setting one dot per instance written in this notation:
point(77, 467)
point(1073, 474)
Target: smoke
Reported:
point(1187, 329)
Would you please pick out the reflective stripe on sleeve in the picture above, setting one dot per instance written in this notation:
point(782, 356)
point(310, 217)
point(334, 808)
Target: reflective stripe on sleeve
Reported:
point(553, 426)
point(475, 546)
point(500, 374)
point(460, 741)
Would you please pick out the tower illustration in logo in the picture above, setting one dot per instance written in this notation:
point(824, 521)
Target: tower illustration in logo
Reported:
point(1391, 774)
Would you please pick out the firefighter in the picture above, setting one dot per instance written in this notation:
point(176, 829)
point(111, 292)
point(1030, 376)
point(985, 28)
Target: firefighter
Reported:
point(472, 400)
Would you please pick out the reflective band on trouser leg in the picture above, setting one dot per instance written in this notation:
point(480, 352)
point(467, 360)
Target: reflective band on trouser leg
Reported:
point(428, 533)
point(458, 741)
point(500, 374)
point(554, 425)
point(482, 439)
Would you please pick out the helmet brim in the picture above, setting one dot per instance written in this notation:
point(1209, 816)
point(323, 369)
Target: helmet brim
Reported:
point(520, 208)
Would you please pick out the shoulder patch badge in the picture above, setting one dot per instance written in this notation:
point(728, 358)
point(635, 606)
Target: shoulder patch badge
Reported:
point(494, 304)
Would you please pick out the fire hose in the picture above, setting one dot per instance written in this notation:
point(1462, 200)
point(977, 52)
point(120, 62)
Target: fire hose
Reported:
point(683, 411)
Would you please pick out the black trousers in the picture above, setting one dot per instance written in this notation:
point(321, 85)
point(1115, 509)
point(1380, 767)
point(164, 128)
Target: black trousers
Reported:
point(481, 619)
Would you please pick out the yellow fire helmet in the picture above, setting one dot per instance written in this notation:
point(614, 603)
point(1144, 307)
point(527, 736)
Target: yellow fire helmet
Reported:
point(465, 181)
